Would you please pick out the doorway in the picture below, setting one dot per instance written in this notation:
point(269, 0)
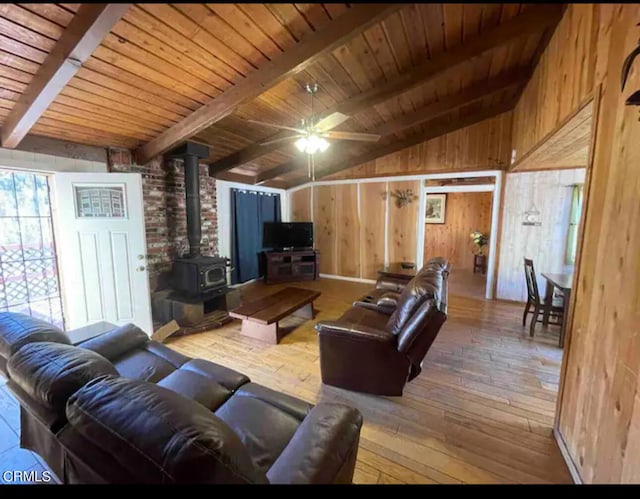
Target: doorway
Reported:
point(29, 281)
point(458, 226)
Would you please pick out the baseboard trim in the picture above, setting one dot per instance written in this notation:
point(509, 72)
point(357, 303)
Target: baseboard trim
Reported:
point(573, 469)
point(352, 279)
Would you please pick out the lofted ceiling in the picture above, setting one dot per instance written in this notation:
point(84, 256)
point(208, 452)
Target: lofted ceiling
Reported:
point(162, 62)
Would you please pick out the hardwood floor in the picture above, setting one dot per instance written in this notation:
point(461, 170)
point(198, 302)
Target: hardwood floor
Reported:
point(463, 282)
point(480, 412)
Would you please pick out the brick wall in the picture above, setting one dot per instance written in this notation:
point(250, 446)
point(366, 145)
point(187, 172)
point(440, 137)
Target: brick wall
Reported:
point(164, 210)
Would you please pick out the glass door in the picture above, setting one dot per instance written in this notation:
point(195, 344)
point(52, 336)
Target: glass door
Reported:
point(28, 266)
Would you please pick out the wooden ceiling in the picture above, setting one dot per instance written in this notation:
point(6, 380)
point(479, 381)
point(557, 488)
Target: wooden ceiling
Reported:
point(162, 62)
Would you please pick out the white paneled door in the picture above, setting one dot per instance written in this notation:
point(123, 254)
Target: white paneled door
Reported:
point(102, 249)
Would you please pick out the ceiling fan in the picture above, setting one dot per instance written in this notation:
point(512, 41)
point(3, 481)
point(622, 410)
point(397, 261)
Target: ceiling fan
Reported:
point(313, 133)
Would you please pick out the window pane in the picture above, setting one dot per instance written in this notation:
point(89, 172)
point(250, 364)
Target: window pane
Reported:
point(28, 272)
point(7, 196)
point(26, 194)
point(10, 248)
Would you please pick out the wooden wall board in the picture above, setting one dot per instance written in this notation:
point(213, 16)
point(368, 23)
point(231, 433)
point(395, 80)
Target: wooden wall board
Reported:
point(567, 146)
point(465, 212)
point(403, 225)
point(600, 411)
point(347, 230)
point(325, 227)
point(301, 205)
point(373, 206)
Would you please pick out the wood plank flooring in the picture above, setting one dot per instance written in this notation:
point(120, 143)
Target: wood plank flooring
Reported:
point(480, 412)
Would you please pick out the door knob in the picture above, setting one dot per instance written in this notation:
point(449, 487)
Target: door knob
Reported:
point(140, 268)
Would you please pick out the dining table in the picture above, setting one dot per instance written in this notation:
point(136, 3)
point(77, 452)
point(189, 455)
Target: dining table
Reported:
point(562, 282)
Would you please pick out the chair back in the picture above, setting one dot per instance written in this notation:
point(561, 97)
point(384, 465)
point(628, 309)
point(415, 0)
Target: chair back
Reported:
point(532, 282)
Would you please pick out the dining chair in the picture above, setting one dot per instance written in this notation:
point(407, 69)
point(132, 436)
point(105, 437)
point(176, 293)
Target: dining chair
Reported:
point(534, 300)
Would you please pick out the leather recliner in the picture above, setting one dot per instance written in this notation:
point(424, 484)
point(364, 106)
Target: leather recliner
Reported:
point(379, 345)
point(123, 409)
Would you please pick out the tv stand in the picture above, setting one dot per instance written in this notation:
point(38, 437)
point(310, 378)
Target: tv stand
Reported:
point(291, 265)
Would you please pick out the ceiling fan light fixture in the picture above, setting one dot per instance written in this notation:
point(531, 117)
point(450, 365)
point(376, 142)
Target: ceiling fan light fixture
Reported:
point(312, 143)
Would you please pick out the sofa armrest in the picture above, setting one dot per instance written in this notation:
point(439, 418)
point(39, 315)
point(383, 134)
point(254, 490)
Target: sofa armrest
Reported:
point(323, 449)
point(395, 284)
point(117, 342)
point(354, 331)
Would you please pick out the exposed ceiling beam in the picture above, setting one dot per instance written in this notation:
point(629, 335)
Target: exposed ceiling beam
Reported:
point(353, 22)
point(443, 106)
point(344, 162)
point(536, 19)
point(86, 30)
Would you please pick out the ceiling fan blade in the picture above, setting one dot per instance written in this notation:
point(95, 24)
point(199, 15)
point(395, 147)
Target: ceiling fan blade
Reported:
point(332, 121)
point(281, 139)
point(366, 137)
point(282, 127)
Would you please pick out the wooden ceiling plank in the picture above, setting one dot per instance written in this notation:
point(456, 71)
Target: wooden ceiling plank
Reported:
point(163, 53)
point(90, 111)
point(25, 35)
point(156, 69)
point(15, 74)
point(249, 28)
point(290, 18)
point(535, 20)
point(182, 44)
point(188, 28)
point(28, 19)
point(84, 33)
point(20, 49)
point(11, 84)
point(218, 28)
point(18, 62)
point(105, 61)
point(166, 107)
point(306, 52)
point(50, 11)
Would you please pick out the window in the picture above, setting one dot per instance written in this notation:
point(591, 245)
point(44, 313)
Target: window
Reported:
point(574, 221)
point(28, 268)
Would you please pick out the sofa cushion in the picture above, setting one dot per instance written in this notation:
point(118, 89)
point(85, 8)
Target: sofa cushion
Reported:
point(50, 372)
point(17, 330)
point(165, 437)
point(226, 377)
point(426, 284)
point(117, 342)
point(139, 363)
point(265, 421)
point(196, 387)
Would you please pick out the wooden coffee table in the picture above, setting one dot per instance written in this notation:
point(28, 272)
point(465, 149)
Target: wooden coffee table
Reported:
point(260, 318)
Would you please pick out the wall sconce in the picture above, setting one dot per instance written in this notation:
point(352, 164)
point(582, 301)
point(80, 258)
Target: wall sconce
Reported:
point(403, 197)
point(532, 217)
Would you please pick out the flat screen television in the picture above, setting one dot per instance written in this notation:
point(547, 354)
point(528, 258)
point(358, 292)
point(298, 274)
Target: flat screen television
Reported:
point(287, 235)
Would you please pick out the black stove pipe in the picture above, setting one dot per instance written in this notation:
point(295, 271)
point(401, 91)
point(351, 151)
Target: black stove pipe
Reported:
point(191, 153)
point(192, 189)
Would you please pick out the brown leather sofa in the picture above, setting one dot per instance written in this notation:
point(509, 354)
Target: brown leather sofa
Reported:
point(378, 345)
point(123, 409)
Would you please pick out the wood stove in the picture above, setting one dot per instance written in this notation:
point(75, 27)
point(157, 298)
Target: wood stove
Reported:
point(194, 274)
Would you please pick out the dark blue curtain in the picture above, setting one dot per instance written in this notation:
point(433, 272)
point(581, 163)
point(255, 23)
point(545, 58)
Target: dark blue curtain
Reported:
point(249, 210)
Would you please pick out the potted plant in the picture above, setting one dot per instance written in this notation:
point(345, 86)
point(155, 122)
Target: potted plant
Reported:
point(480, 239)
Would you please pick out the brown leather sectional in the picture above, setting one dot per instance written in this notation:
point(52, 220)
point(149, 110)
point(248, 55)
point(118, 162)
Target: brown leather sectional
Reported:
point(378, 345)
point(123, 409)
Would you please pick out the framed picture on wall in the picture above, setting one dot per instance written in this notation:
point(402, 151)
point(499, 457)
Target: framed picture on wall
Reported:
point(436, 204)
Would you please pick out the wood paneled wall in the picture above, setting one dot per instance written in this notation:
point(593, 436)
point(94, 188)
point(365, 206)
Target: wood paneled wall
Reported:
point(550, 192)
point(483, 146)
point(465, 212)
point(403, 220)
point(565, 76)
point(350, 225)
point(301, 205)
point(600, 398)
